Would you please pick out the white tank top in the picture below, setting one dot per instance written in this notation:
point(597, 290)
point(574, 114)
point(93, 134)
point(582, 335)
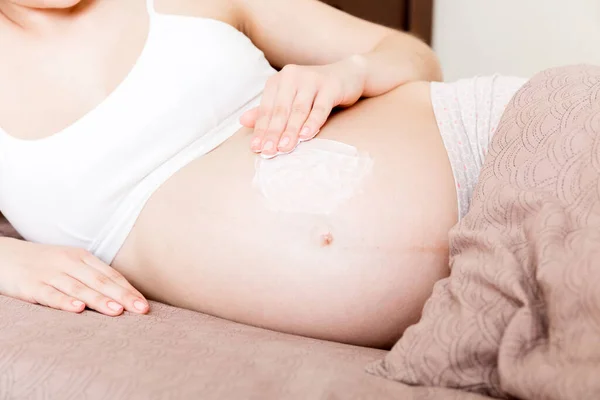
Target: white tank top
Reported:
point(86, 185)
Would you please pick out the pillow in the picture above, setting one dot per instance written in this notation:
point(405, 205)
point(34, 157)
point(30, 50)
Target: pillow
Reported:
point(519, 314)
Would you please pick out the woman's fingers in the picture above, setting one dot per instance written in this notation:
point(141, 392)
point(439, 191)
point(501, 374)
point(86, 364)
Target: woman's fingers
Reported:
point(248, 119)
point(49, 296)
point(295, 105)
point(112, 295)
point(280, 115)
point(92, 298)
point(324, 103)
point(66, 278)
point(264, 113)
point(300, 110)
point(110, 272)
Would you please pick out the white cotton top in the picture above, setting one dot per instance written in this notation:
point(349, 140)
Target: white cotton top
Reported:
point(468, 112)
point(86, 185)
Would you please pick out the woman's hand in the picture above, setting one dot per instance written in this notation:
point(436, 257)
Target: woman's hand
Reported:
point(64, 278)
point(297, 102)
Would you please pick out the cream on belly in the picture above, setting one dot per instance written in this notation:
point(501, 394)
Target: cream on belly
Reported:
point(316, 178)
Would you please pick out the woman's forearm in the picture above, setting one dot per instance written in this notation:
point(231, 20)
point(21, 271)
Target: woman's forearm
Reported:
point(398, 59)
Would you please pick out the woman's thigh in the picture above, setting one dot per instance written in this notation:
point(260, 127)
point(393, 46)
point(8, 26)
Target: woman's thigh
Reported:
point(209, 239)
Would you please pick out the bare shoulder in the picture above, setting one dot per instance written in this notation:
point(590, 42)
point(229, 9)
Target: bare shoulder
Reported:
point(223, 10)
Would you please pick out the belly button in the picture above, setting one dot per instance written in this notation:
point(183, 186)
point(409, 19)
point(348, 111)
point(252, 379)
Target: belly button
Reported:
point(326, 239)
point(322, 234)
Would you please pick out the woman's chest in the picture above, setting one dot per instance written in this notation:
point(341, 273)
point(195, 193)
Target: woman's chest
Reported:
point(50, 81)
point(48, 88)
point(190, 76)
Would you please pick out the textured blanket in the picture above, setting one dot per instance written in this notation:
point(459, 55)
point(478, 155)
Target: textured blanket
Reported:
point(520, 314)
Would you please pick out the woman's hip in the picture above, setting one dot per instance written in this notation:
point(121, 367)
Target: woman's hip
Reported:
point(468, 112)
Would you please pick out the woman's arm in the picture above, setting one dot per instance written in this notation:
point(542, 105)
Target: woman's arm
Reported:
point(309, 32)
point(327, 59)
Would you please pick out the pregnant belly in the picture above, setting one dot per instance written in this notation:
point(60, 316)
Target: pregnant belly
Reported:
point(209, 240)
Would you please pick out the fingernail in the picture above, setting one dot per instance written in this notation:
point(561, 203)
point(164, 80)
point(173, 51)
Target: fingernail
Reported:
point(255, 145)
point(305, 132)
point(284, 142)
point(139, 305)
point(77, 303)
point(309, 137)
point(114, 306)
point(267, 156)
point(268, 146)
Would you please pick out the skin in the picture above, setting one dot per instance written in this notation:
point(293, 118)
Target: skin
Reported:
point(321, 276)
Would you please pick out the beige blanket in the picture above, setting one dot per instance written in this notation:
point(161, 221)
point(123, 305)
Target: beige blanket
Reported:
point(520, 314)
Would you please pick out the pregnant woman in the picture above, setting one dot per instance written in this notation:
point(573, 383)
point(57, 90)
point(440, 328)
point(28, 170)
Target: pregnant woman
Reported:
point(125, 166)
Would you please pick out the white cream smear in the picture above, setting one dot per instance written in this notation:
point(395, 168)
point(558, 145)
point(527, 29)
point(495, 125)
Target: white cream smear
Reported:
point(315, 178)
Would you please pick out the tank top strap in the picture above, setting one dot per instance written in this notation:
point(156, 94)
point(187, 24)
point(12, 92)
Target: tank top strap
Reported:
point(150, 7)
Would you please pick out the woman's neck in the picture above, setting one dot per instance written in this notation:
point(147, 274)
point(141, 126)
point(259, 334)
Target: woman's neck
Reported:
point(40, 19)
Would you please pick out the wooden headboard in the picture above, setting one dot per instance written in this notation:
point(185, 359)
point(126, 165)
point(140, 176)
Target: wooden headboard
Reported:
point(414, 16)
